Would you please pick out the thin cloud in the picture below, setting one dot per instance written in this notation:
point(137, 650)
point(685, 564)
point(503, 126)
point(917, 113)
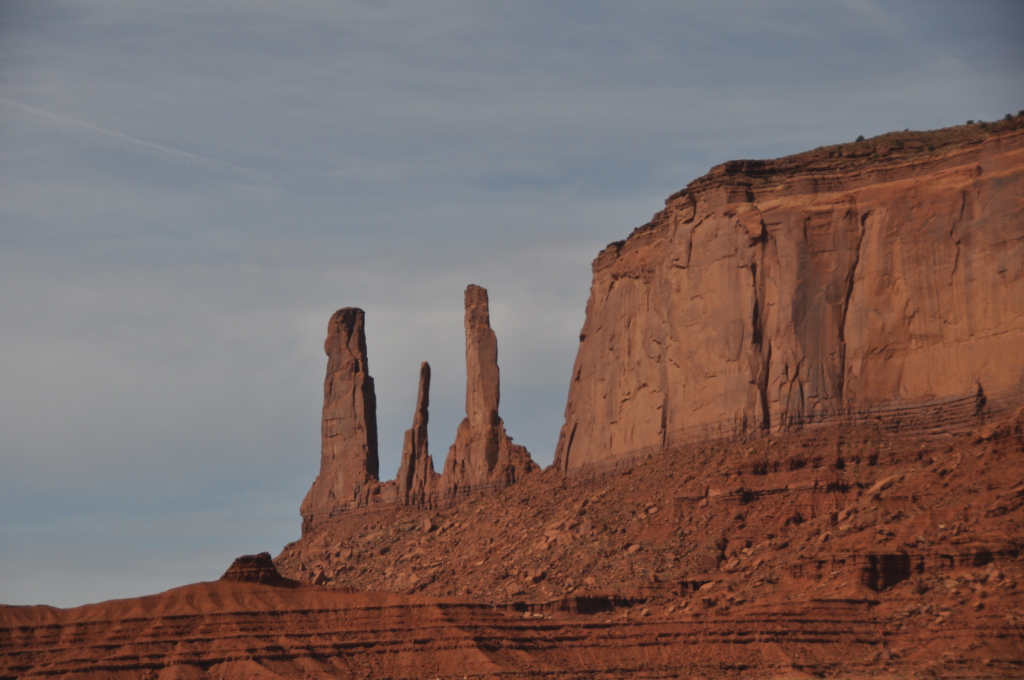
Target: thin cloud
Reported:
point(195, 160)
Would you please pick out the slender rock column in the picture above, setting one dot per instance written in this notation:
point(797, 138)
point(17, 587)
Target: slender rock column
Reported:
point(416, 479)
point(348, 451)
point(483, 455)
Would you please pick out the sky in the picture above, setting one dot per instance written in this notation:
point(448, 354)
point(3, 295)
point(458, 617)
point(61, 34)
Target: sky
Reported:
point(189, 190)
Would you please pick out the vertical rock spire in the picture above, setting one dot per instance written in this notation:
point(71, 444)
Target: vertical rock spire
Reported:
point(416, 479)
point(348, 451)
point(483, 454)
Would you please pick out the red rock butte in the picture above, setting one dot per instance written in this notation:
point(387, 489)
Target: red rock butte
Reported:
point(839, 284)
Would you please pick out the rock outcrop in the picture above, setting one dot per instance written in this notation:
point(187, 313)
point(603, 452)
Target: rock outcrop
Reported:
point(483, 455)
point(417, 482)
point(482, 458)
point(348, 450)
point(879, 275)
point(257, 568)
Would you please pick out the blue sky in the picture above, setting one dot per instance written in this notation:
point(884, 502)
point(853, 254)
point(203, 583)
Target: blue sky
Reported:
point(189, 189)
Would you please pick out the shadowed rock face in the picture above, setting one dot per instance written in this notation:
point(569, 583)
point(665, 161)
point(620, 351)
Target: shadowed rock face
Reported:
point(348, 452)
point(416, 480)
point(483, 454)
point(768, 293)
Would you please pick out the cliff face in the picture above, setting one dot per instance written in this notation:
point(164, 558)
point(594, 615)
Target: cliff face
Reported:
point(885, 273)
point(348, 449)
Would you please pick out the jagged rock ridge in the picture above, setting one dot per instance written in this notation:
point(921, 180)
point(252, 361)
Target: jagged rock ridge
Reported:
point(771, 293)
point(482, 458)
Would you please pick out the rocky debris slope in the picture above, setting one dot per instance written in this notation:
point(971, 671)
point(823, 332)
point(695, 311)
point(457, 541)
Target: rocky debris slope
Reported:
point(482, 458)
point(833, 508)
point(878, 275)
point(832, 552)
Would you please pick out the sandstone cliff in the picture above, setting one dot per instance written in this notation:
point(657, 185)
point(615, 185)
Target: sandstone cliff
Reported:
point(348, 449)
point(888, 273)
point(483, 455)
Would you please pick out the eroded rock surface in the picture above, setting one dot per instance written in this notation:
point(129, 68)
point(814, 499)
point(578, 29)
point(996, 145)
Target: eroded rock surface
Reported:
point(483, 455)
point(885, 274)
point(348, 450)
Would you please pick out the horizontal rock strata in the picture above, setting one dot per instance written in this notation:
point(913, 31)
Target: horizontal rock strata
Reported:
point(215, 631)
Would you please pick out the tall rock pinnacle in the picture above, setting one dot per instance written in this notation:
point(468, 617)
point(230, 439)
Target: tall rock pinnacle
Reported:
point(416, 480)
point(483, 454)
point(348, 451)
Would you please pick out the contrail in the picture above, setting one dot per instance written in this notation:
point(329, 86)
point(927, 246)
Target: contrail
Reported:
point(190, 158)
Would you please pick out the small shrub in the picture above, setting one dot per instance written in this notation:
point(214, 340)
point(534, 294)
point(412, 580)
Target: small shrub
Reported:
point(970, 122)
point(860, 138)
point(931, 147)
point(1008, 117)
